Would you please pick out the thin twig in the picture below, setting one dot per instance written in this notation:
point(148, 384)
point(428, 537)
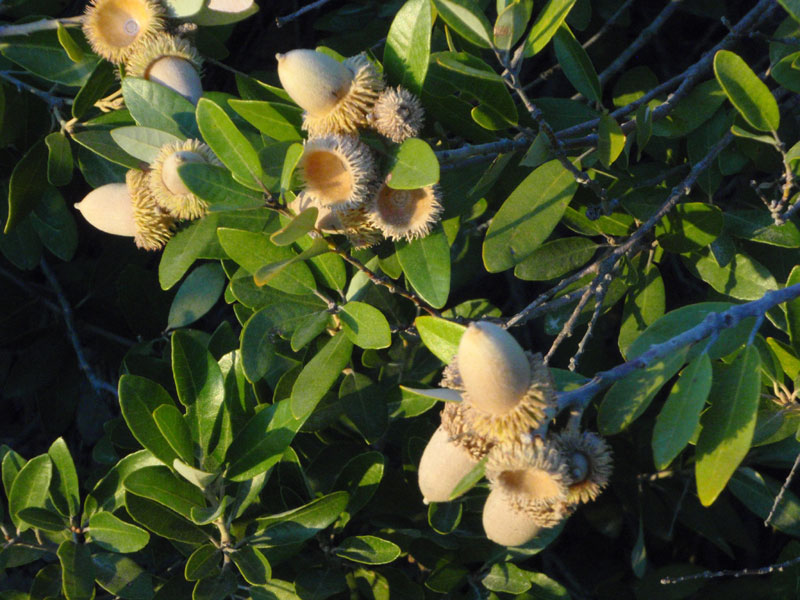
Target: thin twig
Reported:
point(599, 297)
point(41, 25)
point(54, 101)
point(782, 491)
point(470, 150)
point(731, 573)
point(281, 21)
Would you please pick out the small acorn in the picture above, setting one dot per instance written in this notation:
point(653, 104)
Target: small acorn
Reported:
point(397, 114)
point(336, 97)
point(589, 463)
point(338, 171)
point(171, 61)
point(109, 209)
point(166, 185)
point(404, 214)
point(114, 28)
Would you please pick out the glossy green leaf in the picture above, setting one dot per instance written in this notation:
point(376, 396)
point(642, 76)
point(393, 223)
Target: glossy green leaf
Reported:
point(159, 107)
point(644, 304)
point(511, 23)
point(252, 564)
point(319, 374)
point(30, 487)
point(528, 216)
point(697, 107)
point(115, 535)
point(792, 7)
point(109, 493)
point(64, 488)
point(365, 325)
point(203, 563)
point(162, 521)
point(299, 524)
point(610, 140)
point(102, 77)
point(172, 425)
point(40, 53)
point(59, 159)
point(181, 9)
point(269, 272)
point(444, 517)
point(160, 485)
point(258, 348)
point(184, 248)
point(467, 19)
point(216, 588)
point(469, 480)
point(546, 25)
point(279, 121)
point(41, 518)
point(101, 143)
point(582, 75)
point(413, 165)
point(679, 418)
point(408, 45)
point(690, 226)
point(367, 549)
point(197, 295)
point(68, 43)
point(758, 492)
point(742, 278)
point(507, 577)
point(27, 184)
point(311, 326)
point(440, 336)
point(364, 402)
point(746, 91)
point(201, 479)
point(122, 577)
point(11, 465)
point(216, 186)
point(292, 158)
point(55, 224)
point(426, 264)
point(228, 143)
point(360, 477)
point(143, 143)
point(296, 228)
point(793, 310)
point(138, 398)
point(758, 226)
point(644, 127)
point(77, 571)
point(554, 259)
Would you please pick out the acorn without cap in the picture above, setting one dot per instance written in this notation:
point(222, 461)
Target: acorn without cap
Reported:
point(171, 61)
point(114, 28)
point(109, 209)
point(336, 97)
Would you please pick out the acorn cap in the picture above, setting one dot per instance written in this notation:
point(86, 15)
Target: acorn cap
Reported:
point(153, 225)
point(443, 465)
point(171, 61)
point(166, 185)
point(589, 464)
point(457, 420)
point(337, 171)
point(506, 526)
point(114, 28)
point(408, 214)
point(397, 114)
point(336, 97)
point(109, 209)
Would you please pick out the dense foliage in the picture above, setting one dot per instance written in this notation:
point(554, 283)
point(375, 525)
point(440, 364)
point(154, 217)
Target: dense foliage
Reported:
point(241, 414)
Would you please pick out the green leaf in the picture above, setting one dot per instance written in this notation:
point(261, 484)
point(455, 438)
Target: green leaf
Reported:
point(138, 398)
point(360, 477)
point(109, 494)
point(197, 295)
point(296, 228)
point(546, 25)
point(173, 427)
point(55, 224)
point(64, 489)
point(758, 493)
point(293, 155)
point(216, 186)
point(408, 45)
point(690, 226)
point(644, 128)
point(758, 226)
point(228, 143)
point(511, 23)
point(793, 310)
point(413, 165)
point(159, 107)
point(77, 571)
point(102, 77)
point(311, 326)
point(742, 278)
point(299, 524)
point(467, 19)
point(367, 549)
point(269, 272)
point(162, 521)
point(528, 216)
point(444, 517)
point(181, 9)
point(555, 259)
point(197, 477)
point(122, 577)
point(216, 588)
point(143, 143)
point(101, 143)
point(440, 336)
point(692, 111)
point(643, 306)
point(252, 564)
point(581, 74)
point(41, 518)
point(629, 397)
point(203, 563)
point(507, 577)
point(365, 325)
point(69, 44)
point(469, 480)
point(610, 140)
point(184, 248)
point(41, 54)
point(746, 91)
point(115, 535)
point(365, 404)
point(258, 349)
point(28, 183)
point(426, 264)
point(160, 485)
point(59, 159)
point(792, 7)
point(29, 487)
point(319, 374)
point(279, 121)
point(728, 425)
point(679, 418)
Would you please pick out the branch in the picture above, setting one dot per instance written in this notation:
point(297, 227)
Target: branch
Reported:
point(41, 25)
point(711, 325)
point(281, 21)
point(52, 101)
point(730, 573)
point(470, 150)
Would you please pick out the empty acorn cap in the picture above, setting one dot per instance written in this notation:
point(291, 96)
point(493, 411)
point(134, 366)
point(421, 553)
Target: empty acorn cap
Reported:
point(338, 171)
point(114, 28)
point(109, 209)
point(408, 214)
point(443, 465)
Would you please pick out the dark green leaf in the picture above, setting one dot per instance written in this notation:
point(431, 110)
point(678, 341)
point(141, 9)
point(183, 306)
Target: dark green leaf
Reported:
point(55, 224)
point(690, 226)
point(216, 588)
point(252, 564)
point(610, 140)
point(758, 226)
point(365, 404)
point(365, 325)
point(413, 165)
point(319, 374)
point(197, 295)
point(746, 91)
point(444, 517)
point(296, 228)
point(160, 485)
point(758, 493)
point(507, 577)
point(511, 23)
point(360, 477)
point(143, 143)
point(64, 489)
point(546, 25)
point(742, 278)
point(172, 425)
point(300, 524)
point(29, 487)
point(643, 306)
point(115, 535)
point(102, 77)
point(28, 183)
point(367, 549)
point(40, 53)
point(184, 248)
point(279, 121)
point(122, 577)
point(426, 264)
point(556, 258)
point(311, 326)
point(793, 310)
point(101, 143)
point(138, 398)
point(581, 74)
point(59, 159)
point(203, 563)
point(408, 45)
point(216, 186)
point(163, 521)
point(467, 19)
point(77, 571)
point(41, 518)
point(109, 494)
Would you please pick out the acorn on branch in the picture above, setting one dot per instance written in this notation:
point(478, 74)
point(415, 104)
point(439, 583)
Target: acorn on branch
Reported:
point(115, 28)
point(171, 61)
point(589, 462)
point(397, 114)
point(404, 214)
point(154, 226)
point(336, 97)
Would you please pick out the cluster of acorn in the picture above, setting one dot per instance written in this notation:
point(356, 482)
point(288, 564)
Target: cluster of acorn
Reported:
point(339, 171)
point(501, 401)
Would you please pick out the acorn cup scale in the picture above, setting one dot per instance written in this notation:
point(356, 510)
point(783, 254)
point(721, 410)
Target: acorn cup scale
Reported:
point(443, 465)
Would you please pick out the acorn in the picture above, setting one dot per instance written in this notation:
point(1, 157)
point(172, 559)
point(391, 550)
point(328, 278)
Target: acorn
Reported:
point(224, 12)
point(338, 171)
point(397, 114)
point(166, 185)
point(528, 483)
point(405, 214)
point(154, 226)
point(171, 61)
point(115, 28)
point(336, 97)
point(511, 390)
point(327, 219)
point(589, 464)
point(109, 209)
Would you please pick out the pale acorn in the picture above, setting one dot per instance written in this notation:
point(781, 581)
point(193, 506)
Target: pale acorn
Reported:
point(115, 28)
point(506, 526)
point(171, 61)
point(443, 464)
point(109, 209)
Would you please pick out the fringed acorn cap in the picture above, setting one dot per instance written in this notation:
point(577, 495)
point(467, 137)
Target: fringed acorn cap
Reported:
point(114, 28)
point(408, 214)
point(397, 114)
point(588, 458)
point(168, 188)
point(338, 171)
point(171, 61)
point(336, 97)
point(109, 209)
point(153, 225)
point(457, 421)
